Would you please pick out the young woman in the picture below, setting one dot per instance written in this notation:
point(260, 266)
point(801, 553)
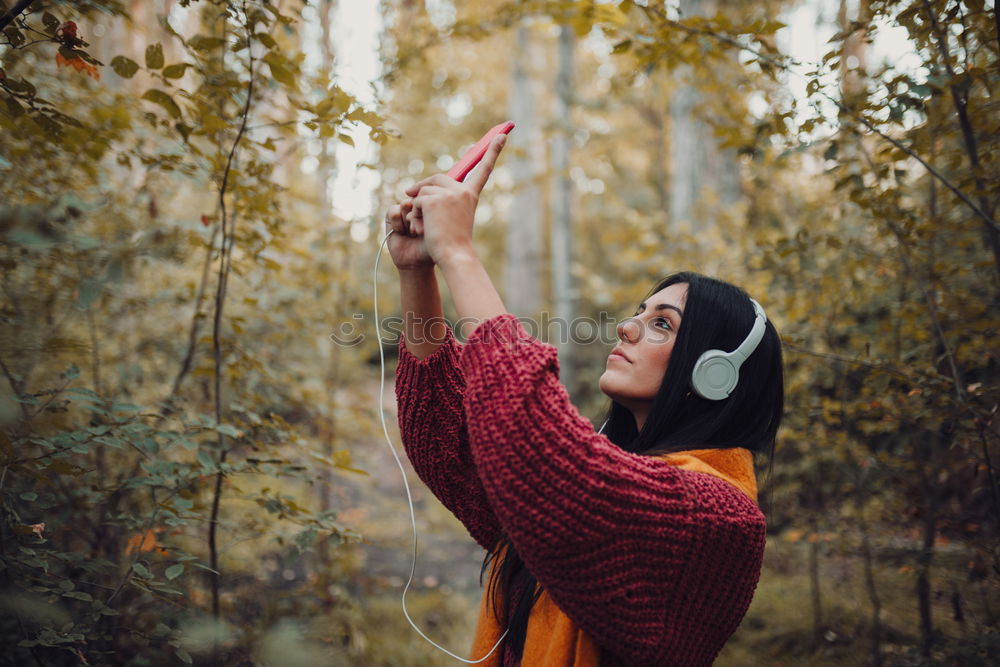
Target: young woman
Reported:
point(637, 545)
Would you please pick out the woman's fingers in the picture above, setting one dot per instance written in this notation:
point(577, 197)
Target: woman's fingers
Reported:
point(394, 219)
point(441, 180)
point(477, 177)
point(481, 173)
point(427, 192)
point(405, 209)
point(399, 218)
point(413, 217)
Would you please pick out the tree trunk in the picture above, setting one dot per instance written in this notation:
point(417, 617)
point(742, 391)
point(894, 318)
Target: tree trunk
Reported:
point(870, 586)
point(562, 251)
point(697, 164)
point(522, 292)
point(325, 175)
point(924, 561)
point(814, 584)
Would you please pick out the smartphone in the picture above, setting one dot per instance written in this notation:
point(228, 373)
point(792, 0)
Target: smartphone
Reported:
point(478, 150)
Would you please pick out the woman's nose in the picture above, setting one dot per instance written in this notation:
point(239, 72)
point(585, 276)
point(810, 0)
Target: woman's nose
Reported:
point(629, 330)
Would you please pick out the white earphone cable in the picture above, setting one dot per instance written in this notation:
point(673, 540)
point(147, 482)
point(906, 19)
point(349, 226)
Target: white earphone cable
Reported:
point(406, 485)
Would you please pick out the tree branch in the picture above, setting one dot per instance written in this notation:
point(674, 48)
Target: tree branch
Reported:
point(225, 266)
point(961, 103)
point(138, 550)
point(14, 12)
point(990, 222)
point(192, 344)
point(784, 64)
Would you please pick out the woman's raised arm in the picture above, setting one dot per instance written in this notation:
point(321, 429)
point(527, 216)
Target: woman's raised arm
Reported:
point(430, 390)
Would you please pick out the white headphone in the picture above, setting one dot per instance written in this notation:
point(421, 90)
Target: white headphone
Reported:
point(716, 372)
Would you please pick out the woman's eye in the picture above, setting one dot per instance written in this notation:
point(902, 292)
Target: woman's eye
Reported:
point(664, 323)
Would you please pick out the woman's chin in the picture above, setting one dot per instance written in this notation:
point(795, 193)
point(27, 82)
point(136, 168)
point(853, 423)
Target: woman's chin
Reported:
point(607, 385)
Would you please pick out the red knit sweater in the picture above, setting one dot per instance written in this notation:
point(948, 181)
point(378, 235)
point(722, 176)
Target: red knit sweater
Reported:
point(655, 563)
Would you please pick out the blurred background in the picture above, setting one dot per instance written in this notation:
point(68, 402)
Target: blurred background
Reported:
point(192, 468)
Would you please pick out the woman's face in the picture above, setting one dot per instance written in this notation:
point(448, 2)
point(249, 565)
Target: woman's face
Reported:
point(636, 366)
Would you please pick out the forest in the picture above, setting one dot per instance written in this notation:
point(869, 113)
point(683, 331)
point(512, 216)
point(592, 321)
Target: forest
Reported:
point(192, 197)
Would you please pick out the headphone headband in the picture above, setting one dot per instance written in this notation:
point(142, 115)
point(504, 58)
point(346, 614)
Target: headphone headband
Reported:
point(753, 338)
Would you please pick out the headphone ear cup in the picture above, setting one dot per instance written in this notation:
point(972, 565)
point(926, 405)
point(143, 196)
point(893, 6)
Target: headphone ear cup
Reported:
point(714, 375)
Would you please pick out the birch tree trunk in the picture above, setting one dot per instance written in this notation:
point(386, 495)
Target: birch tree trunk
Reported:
point(522, 284)
point(697, 165)
point(562, 251)
point(852, 80)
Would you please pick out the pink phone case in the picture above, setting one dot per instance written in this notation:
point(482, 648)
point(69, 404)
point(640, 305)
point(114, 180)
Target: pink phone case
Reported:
point(476, 153)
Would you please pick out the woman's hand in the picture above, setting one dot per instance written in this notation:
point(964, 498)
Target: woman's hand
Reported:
point(408, 250)
point(444, 210)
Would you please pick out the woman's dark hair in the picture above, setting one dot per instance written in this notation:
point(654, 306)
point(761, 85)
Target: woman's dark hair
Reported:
point(717, 315)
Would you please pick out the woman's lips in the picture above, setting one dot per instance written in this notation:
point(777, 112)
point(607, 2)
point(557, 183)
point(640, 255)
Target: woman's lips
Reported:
point(618, 354)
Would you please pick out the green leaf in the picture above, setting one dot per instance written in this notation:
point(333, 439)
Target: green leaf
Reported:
point(181, 504)
point(154, 56)
point(265, 39)
point(90, 289)
point(78, 595)
point(205, 43)
point(279, 68)
point(205, 567)
point(50, 22)
point(175, 71)
point(83, 391)
point(205, 459)
point(281, 74)
point(305, 539)
point(29, 496)
point(15, 36)
point(184, 655)
point(164, 100)
point(622, 47)
point(20, 86)
point(771, 27)
point(174, 571)
point(14, 108)
point(142, 570)
point(227, 429)
point(117, 443)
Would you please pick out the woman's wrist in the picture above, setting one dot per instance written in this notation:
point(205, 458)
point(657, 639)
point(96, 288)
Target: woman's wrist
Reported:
point(420, 272)
point(458, 257)
point(475, 297)
point(424, 327)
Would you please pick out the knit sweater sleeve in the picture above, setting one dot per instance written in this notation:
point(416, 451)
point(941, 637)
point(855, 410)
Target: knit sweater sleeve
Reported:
point(656, 563)
point(429, 395)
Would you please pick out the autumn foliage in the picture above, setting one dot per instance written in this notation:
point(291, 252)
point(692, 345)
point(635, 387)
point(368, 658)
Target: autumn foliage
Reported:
point(191, 469)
